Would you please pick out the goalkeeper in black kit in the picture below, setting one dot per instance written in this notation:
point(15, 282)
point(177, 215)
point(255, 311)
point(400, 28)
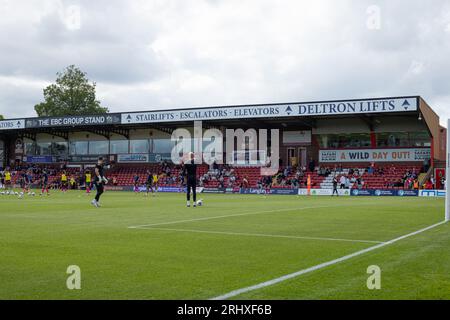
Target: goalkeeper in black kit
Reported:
point(190, 174)
point(99, 182)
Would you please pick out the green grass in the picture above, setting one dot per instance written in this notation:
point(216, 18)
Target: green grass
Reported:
point(41, 237)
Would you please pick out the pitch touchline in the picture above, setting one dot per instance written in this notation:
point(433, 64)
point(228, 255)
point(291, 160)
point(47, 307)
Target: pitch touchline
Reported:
point(259, 235)
point(239, 215)
point(321, 266)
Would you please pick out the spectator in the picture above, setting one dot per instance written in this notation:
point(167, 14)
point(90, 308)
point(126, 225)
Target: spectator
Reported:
point(343, 181)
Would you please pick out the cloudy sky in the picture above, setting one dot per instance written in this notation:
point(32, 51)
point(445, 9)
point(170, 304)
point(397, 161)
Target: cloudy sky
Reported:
point(156, 54)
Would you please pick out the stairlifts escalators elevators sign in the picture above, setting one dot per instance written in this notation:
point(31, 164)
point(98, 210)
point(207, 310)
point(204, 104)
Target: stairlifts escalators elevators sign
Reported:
point(375, 155)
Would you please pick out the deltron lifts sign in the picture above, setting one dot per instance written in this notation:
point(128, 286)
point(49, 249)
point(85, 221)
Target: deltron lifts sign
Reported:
point(343, 107)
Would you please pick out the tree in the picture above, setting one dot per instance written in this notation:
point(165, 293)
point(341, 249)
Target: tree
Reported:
point(2, 117)
point(71, 95)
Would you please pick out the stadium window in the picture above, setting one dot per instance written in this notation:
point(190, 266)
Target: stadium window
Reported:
point(60, 148)
point(30, 148)
point(393, 139)
point(163, 145)
point(420, 139)
point(78, 148)
point(98, 147)
point(342, 141)
point(118, 146)
point(44, 148)
point(139, 146)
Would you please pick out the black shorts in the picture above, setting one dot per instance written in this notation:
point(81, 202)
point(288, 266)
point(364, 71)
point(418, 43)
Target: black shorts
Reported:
point(191, 183)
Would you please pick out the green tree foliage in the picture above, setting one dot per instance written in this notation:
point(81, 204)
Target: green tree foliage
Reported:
point(2, 117)
point(72, 94)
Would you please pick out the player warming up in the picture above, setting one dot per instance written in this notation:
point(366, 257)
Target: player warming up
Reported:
point(88, 182)
point(136, 184)
point(190, 173)
point(99, 182)
point(44, 183)
point(64, 182)
point(149, 184)
point(155, 182)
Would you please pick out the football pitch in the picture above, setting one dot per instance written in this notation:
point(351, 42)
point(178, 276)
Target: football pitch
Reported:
point(233, 247)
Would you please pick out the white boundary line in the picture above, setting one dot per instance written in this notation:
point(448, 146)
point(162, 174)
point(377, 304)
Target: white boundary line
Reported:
point(321, 266)
point(258, 235)
point(240, 215)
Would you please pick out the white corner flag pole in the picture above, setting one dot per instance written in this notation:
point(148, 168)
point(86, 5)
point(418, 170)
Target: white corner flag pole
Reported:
point(447, 173)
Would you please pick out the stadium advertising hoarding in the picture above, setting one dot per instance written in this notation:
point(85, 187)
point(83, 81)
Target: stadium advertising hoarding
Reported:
point(375, 155)
point(143, 157)
point(47, 122)
point(384, 193)
point(220, 190)
point(12, 124)
point(40, 159)
point(433, 193)
point(88, 158)
point(326, 108)
point(323, 192)
point(169, 189)
point(158, 157)
point(133, 158)
point(272, 191)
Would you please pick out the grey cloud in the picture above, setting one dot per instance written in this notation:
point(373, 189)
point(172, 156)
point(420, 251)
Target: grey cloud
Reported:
point(166, 54)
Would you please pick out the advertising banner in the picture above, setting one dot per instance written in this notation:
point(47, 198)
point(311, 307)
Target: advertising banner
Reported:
point(50, 122)
point(375, 155)
point(168, 189)
point(158, 157)
point(220, 190)
point(384, 193)
point(272, 191)
point(323, 192)
point(341, 107)
point(433, 193)
point(12, 124)
point(86, 158)
point(133, 158)
point(39, 159)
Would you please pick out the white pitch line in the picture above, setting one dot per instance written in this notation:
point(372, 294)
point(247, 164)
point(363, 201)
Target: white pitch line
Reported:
point(321, 266)
point(259, 235)
point(238, 215)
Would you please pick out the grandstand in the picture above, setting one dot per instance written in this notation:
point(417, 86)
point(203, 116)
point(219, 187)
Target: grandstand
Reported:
point(386, 141)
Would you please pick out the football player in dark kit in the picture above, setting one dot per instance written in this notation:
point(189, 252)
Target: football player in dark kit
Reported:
point(335, 187)
point(99, 182)
point(190, 173)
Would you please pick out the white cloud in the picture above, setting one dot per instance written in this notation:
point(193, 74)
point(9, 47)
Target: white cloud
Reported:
point(168, 53)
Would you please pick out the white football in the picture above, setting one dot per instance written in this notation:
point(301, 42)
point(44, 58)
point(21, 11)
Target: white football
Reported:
point(200, 202)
